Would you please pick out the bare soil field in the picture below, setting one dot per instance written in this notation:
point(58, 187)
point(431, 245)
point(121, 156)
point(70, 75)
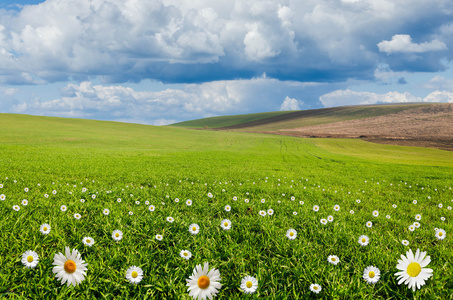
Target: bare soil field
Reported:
point(426, 126)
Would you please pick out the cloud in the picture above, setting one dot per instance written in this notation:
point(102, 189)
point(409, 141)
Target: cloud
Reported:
point(349, 97)
point(439, 96)
point(290, 104)
point(403, 43)
point(439, 83)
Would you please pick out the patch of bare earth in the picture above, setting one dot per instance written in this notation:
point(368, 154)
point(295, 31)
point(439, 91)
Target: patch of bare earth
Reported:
point(426, 126)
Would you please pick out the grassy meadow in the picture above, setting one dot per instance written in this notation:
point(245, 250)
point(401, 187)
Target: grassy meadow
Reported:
point(53, 162)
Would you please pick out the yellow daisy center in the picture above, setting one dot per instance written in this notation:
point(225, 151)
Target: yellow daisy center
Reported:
point(440, 233)
point(194, 228)
point(363, 240)
point(333, 259)
point(371, 274)
point(45, 229)
point(117, 234)
point(291, 233)
point(30, 258)
point(225, 224)
point(315, 287)
point(70, 266)
point(249, 284)
point(203, 282)
point(88, 241)
point(185, 253)
point(134, 274)
point(414, 269)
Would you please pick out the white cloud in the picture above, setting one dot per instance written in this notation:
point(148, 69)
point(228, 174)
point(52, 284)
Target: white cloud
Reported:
point(439, 96)
point(290, 104)
point(349, 97)
point(440, 83)
point(403, 43)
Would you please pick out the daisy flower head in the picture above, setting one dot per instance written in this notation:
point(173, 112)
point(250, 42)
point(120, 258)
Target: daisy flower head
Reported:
point(440, 234)
point(117, 235)
point(323, 221)
point(82, 200)
point(106, 211)
point(170, 219)
point(235, 198)
point(118, 200)
point(63, 208)
point(449, 207)
point(137, 202)
point(70, 268)
point(414, 201)
point(315, 208)
point(440, 205)
point(411, 227)
point(46, 195)
point(203, 283)
point(418, 217)
point(188, 202)
point(291, 234)
point(2, 197)
point(30, 259)
point(93, 196)
point(185, 254)
point(131, 213)
point(315, 288)
point(442, 219)
point(54, 192)
point(295, 213)
point(412, 269)
point(45, 228)
point(262, 213)
point(210, 195)
point(388, 217)
point(270, 211)
point(358, 200)
point(246, 200)
point(351, 212)
point(333, 259)
point(263, 200)
point(369, 224)
point(16, 207)
point(84, 190)
point(88, 241)
point(301, 202)
point(159, 237)
point(225, 224)
point(336, 207)
point(77, 216)
point(375, 213)
point(134, 274)
point(416, 224)
point(26, 190)
point(394, 206)
point(194, 228)
point(371, 274)
point(364, 240)
point(405, 242)
point(249, 284)
point(293, 198)
point(151, 208)
point(24, 202)
point(330, 218)
point(227, 208)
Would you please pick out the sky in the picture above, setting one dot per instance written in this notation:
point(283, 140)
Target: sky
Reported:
point(159, 62)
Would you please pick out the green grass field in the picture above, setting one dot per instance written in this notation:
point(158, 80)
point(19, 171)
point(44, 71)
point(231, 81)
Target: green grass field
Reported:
point(161, 164)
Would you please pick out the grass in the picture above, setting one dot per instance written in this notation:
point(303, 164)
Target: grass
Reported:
point(159, 164)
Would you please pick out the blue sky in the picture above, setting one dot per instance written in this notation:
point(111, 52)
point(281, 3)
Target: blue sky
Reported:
point(163, 61)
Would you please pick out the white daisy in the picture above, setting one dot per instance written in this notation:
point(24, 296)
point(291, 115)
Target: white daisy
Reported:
point(77, 216)
point(16, 207)
point(270, 211)
point(82, 200)
point(88, 241)
point(84, 190)
point(147, 202)
point(292, 198)
point(330, 218)
point(358, 200)
point(315, 288)
point(418, 217)
point(440, 205)
point(30, 259)
point(442, 219)
point(388, 217)
point(415, 201)
point(315, 208)
point(225, 224)
point(333, 259)
point(263, 200)
point(440, 234)
point(336, 207)
point(291, 234)
point(394, 206)
point(194, 228)
point(54, 192)
point(210, 195)
point(63, 208)
point(449, 207)
point(93, 196)
point(375, 213)
point(412, 269)
point(185, 254)
point(351, 212)
point(170, 219)
point(24, 202)
point(301, 202)
point(411, 227)
point(151, 208)
point(106, 211)
point(369, 224)
point(249, 284)
point(137, 202)
point(45, 228)
point(117, 235)
point(188, 202)
point(364, 240)
point(70, 267)
point(131, 213)
point(405, 242)
point(416, 224)
point(371, 274)
point(118, 200)
point(159, 237)
point(227, 208)
point(2, 197)
point(295, 213)
point(203, 284)
point(46, 196)
point(134, 274)
point(235, 198)
point(26, 190)
point(246, 200)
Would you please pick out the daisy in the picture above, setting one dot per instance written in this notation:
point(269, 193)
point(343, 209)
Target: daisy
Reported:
point(93, 196)
point(46, 195)
point(185, 254)
point(263, 200)
point(315, 208)
point(333, 259)
point(371, 274)
point(336, 207)
point(323, 221)
point(235, 198)
point(249, 284)
point(364, 240)
point(25, 202)
point(203, 284)
point(131, 213)
point(2, 197)
point(293, 198)
point(440, 205)
point(159, 237)
point(225, 224)
point(151, 208)
point(88, 241)
point(405, 242)
point(246, 200)
point(63, 208)
point(295, 213)
point(30, 259)
point(442, 219)
point(16, 207)
point(170, 219)
point(415, 201)
point(70, 267)
point(394, 205)
point(358, 200)
point(315, 288)
point(54, 192)
point(301, 202)
point(210, 195)
point(449, 207)
point(137, 202)
point(351, 212)
point(26, 189)
point(411, 227)
point(118, 200)
point(440, 234)
point(117, 235)
point(45, 228)
point(412, 269)
point(82, 200)
point(291, 234)
point(416, 224)
point(134, 274)
point(270, 211)
point(227, 208)
point(147, 202)
point(77, 216)
point(263, 213)
point(106, 211)
point(375, 213)
point(84, 190)
point(369, 224)
point(188, 202)
point(330, 218)
point(194, 228)
point(418, 217)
